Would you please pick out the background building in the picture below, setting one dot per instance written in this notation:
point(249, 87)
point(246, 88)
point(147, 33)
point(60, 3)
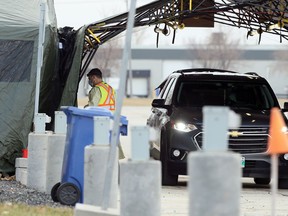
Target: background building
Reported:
point(150, 66)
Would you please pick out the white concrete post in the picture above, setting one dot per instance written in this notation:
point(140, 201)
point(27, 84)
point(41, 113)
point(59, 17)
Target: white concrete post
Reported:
point(140, 179)
point(40, 121)
point(37, 161)
point(215, 129)
point(60, 126)
point(55, 155)
point(214, 184)
point(95, 165)
point(21, 170)
point(215, 174)
point(45, 160)
point(101, 130)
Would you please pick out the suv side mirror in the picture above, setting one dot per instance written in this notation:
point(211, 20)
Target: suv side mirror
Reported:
point(285, 108)
point(159, 103)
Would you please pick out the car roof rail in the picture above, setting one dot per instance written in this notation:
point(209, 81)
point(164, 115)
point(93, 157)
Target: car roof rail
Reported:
point(252, 73)
point(203, 70)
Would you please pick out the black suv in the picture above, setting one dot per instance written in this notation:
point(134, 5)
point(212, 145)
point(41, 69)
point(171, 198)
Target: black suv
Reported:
point(176, 120)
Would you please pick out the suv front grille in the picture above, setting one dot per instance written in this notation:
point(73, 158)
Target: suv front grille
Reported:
point(244, 140)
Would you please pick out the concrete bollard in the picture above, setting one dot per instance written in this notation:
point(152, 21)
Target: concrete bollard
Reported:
point(55, 157)
point(60, 126)
point(37, 160)
point(140, 188)
point(95, 166)
point(46, 150)
point(45, 160)
point(21, 170)
point(214, 184)
point(40, 120)
point(215, 174)
point(140, 179)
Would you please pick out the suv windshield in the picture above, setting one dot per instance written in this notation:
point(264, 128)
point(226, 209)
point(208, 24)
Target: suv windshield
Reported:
point(232, 94)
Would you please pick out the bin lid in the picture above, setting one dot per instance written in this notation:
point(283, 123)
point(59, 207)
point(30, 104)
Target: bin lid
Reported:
point(87, 112)
point(91, 112)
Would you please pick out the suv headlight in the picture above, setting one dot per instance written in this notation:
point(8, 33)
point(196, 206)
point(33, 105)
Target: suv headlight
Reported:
point(284, 130)
point(184, 127)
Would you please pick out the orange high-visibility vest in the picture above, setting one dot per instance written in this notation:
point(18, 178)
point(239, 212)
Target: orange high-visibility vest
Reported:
point(107, 96)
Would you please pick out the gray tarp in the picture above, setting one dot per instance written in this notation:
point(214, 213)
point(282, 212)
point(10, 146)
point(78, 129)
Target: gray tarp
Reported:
point(19, 29)
point(19, 24)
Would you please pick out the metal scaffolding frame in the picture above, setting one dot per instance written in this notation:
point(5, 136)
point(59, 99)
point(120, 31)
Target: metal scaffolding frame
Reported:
point(257, 16)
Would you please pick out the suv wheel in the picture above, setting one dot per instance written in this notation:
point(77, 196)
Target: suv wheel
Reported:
point(262, 181)
point(167, 178)
point(283, 183)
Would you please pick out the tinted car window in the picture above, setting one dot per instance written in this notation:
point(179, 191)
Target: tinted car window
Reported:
point(167, 88)
point(237, 95)
point(171, 92)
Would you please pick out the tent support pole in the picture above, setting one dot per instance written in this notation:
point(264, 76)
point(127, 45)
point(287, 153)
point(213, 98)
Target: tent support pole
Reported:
point(41, 41)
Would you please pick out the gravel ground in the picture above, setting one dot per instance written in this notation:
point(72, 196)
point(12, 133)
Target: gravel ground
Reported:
point(12, 191)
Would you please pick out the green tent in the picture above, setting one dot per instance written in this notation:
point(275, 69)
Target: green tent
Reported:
point(19, 32)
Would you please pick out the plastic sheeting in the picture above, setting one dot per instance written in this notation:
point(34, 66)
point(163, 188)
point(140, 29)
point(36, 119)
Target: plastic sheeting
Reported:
point(69, 96)
point(60, 88)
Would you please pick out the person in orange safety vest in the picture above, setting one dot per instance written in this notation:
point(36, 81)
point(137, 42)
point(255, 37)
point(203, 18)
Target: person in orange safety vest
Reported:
point(101, 94)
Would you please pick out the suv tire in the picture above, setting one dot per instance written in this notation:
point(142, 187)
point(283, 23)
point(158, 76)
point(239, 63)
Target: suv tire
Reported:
point(167, 178)
point(283, 183)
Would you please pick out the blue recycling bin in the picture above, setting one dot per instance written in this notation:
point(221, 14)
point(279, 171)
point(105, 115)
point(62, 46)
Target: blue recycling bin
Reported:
point(80, 129)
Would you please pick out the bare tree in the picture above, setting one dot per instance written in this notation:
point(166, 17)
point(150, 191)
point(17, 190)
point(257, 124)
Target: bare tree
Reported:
point(107, 57)
point(217, 52)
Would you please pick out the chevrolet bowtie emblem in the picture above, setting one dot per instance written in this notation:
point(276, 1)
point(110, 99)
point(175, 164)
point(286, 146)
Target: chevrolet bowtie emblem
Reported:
point(235, 133)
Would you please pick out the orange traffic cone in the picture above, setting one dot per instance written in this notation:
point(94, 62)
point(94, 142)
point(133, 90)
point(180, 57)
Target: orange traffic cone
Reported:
point(278, 139)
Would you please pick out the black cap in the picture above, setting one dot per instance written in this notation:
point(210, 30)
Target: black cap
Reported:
point(95, 71)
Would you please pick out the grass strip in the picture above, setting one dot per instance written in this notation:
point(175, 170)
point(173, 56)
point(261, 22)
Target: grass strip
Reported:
point(9, 209)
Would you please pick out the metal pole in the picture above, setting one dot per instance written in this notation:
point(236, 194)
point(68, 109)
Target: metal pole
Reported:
point(41, 40)
point(130, 76)
point(274, 185)
point(119, 99)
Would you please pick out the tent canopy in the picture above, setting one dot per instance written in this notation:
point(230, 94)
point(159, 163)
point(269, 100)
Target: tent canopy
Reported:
point(19, 32)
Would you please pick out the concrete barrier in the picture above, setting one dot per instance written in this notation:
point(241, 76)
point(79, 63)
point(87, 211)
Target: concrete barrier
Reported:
point(37, 160)
point(45, 160)
point(21, 165)
point(140, 179)
point(95, 167)
point(140, 188)
point(55, 156)
point(45, 153)
point(214, 184)
point(214, 173)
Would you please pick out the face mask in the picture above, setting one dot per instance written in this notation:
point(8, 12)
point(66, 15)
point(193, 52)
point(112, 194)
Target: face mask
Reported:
point(91, 83)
